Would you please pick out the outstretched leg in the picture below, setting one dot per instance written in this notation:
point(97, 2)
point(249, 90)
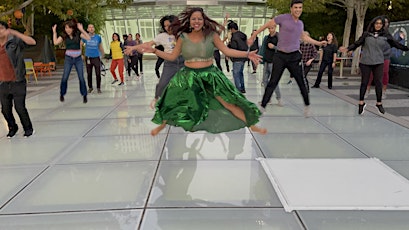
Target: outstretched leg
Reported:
point(238, 112)
point(157, 130)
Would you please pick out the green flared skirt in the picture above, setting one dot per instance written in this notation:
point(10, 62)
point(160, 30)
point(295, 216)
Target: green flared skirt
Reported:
point(189, 101)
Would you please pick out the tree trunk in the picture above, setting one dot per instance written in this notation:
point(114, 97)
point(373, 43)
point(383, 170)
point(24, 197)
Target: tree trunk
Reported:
point(349, 4)
point(361, 6)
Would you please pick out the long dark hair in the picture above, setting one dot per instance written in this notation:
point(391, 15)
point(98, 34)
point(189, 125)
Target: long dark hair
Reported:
point(334, 39)
point(183, 24)
point(119, 38)
point(371, 26)
point(170, 18)
point(75, 31)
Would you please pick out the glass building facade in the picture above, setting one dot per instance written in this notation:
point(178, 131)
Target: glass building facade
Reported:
point(143, 16)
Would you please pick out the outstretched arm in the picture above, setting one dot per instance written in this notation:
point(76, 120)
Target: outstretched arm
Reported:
point(167, 56)
point(394, 43)
point(253, 56)
point(26, 39)
point(308, 39)
point(268, 24)
point(138, 48)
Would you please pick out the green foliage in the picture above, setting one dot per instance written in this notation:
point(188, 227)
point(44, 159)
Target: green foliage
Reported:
point(309, 6)
point(49, 12)
point(398, 12)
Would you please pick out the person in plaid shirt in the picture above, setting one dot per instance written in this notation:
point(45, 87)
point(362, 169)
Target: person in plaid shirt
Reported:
point(309, 53)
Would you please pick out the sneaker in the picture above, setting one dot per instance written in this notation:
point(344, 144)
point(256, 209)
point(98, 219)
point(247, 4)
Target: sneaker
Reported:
point(62, 98)
point(90, 90)
point(315, 86)
point(12, 132)
point(280, 103)
point(99, 91)
point(243, 91)
point(28, 133)
point(84, 99)
point(290, 82)
point(115, 81)
point(122, 83)
point(361, 109)
point(380, 109)
point(262, 109)
point(307, 111)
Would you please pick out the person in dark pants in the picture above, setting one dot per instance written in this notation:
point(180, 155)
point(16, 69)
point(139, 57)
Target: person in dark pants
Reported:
point(309, 53)
point(238, 42)
point(93, 51)
point(159, 61)
point(373, 41)
point(13, 84)
point(140, 55)
point(328, 57)
point(132, 58)
point(288, 55)
point(168, 40)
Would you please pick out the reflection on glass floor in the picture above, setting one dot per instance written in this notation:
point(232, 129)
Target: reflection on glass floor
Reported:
point(95, 166)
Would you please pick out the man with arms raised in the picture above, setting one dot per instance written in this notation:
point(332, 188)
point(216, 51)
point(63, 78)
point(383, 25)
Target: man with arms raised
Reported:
point(288, 54)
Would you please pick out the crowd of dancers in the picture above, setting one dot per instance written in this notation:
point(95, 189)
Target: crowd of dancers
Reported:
point(194, 94)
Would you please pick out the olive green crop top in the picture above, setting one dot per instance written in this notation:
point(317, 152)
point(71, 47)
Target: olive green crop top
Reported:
point(200, 51)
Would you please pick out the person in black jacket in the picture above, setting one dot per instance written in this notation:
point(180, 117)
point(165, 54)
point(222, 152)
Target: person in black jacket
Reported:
point(13, 85)
point(328, 57)
point(238, 42)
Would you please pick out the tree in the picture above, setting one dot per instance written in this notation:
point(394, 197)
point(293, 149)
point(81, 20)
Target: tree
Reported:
point(309, 6)
point(86, 10)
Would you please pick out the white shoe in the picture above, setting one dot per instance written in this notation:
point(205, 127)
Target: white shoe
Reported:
point(307, 112)
point(280, 103)
point(262, 109)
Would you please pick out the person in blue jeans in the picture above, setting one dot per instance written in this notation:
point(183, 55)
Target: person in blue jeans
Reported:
point(73, 32)
point(238, 42)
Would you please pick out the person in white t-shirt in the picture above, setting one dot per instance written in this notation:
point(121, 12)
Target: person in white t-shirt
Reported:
point(168, 41)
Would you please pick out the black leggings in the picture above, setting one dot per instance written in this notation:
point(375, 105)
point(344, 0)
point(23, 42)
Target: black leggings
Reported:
point(377, 71)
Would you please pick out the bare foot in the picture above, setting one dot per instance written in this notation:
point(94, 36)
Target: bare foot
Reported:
point(257, 129)
point(157, 130)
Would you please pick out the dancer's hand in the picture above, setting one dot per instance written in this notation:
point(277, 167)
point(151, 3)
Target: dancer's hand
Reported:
point(80, 27)
point(128, 50)
point(254, 57)
point(343, 49)
point(148, 49)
